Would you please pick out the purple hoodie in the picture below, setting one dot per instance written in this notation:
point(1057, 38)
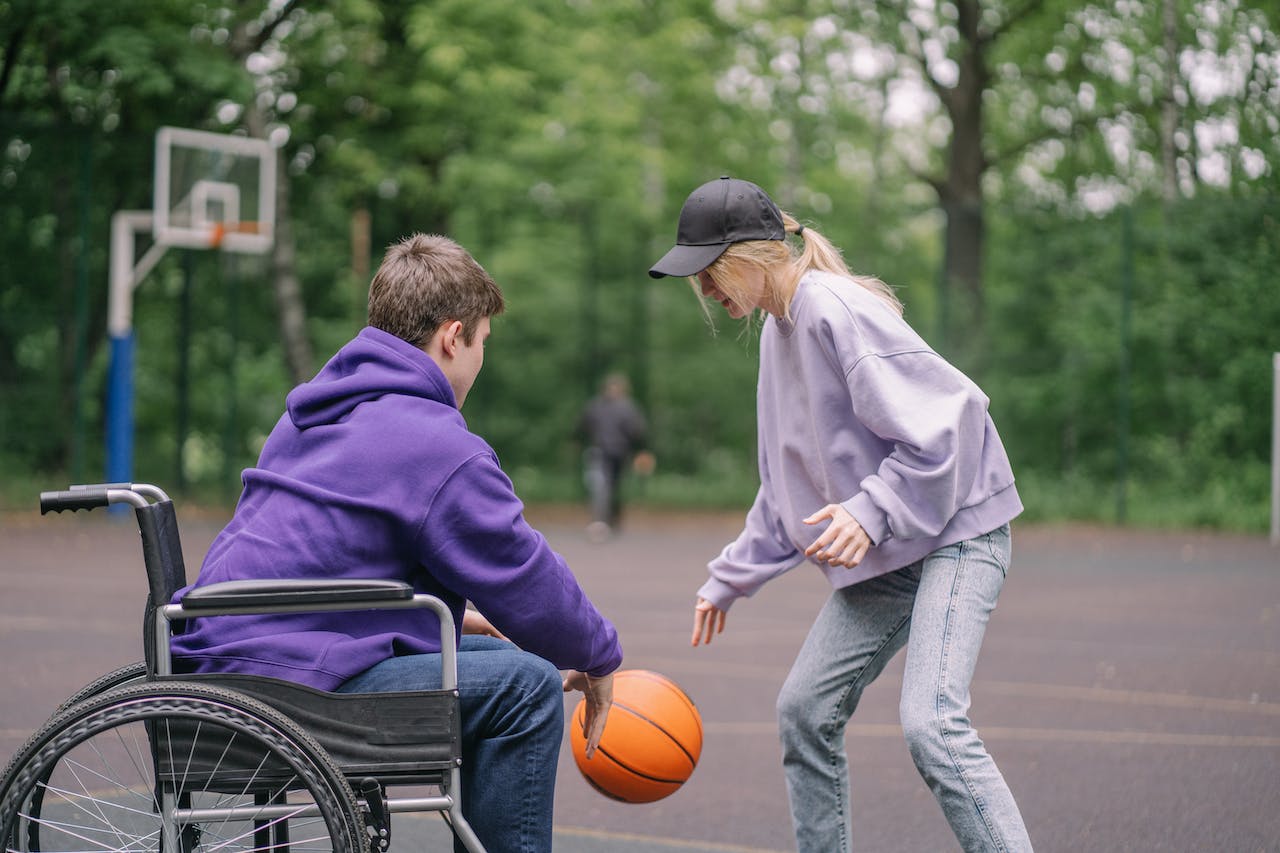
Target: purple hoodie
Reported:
point(372, 473)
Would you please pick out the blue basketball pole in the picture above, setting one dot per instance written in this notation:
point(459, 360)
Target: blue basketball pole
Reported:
point(120, 410)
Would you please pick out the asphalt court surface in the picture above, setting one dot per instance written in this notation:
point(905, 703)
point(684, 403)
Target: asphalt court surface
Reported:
point(1129, 686)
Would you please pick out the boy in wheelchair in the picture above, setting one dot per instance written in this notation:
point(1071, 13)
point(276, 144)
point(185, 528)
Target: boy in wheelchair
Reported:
point(372, 473)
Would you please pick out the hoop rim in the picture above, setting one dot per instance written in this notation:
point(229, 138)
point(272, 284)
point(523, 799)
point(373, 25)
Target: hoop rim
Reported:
point(219, 232)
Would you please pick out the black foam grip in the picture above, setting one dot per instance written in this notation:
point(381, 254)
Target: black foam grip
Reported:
point(90, 498)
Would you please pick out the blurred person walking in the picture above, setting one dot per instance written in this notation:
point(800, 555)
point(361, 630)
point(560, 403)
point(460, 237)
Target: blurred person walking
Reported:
point(879, 464)
point(614, 432)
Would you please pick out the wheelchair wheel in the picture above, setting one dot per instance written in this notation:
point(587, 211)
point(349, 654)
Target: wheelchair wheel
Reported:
point(132, 673)
point(175, 767)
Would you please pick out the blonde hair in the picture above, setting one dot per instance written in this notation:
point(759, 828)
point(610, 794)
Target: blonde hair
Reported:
point(783, 265)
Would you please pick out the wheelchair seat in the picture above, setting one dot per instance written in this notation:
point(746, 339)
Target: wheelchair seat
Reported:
point(404, 738)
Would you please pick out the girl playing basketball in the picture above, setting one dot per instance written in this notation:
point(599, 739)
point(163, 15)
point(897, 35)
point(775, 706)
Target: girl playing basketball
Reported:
point(880, 464)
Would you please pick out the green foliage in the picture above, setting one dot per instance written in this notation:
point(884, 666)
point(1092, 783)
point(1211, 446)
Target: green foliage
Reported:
point(557, 141)
point(1186, 430)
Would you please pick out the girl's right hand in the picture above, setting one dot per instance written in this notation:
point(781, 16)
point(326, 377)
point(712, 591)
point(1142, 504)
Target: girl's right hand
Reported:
point(708, 620)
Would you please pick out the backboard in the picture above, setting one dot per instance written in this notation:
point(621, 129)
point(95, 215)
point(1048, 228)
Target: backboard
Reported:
point(214, 190)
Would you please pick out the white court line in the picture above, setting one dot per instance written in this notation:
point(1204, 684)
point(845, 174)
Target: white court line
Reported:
point(1104, 695)
point(673, 843)
point(998, 733)
point(1126, 697)
point(612, 839)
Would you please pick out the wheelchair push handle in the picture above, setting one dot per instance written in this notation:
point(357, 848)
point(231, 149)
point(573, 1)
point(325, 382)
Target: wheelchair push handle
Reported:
point(72, 500)
point(90, 497)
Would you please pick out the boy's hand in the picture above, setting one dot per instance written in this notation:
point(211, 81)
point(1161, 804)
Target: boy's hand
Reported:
point(599, 695)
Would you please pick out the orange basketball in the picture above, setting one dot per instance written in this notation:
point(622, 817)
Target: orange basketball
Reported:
point(651, 741)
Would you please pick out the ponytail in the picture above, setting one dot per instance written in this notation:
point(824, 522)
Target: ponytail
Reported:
point(783, 266)
point(818, 253)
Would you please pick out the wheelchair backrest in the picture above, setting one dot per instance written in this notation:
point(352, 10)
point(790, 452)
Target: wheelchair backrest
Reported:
point(166, 570)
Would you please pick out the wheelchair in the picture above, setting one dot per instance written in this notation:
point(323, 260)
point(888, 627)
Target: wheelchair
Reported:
point(145, 760)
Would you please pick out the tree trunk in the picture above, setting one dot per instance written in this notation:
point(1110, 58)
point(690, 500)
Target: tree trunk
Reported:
point(961, 196)
point(871, 237)
point(284, 252)
point(1169, 107)
point(65, 221)
point(361, 262)
point(286, 286)
point(962, 259)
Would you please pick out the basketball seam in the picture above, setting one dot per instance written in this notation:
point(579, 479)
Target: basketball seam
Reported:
point(603, 790)
point(657, 678)
point(692, 761)
point(640, 773)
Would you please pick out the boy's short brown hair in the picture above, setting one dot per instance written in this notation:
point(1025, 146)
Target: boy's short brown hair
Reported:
point(425, 281)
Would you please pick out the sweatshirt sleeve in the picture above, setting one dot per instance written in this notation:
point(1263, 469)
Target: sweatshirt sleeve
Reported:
point(760, 553)
point(476, 542)
point(935, 417)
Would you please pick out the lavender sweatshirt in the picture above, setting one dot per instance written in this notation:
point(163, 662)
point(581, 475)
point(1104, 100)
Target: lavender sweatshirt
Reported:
point(372, 473)
point(855, 409)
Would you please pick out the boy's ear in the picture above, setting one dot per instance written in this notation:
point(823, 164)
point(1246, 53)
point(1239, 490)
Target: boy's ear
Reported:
point(450, 336)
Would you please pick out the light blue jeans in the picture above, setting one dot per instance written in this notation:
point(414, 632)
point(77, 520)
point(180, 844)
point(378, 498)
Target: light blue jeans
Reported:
point(938, 608)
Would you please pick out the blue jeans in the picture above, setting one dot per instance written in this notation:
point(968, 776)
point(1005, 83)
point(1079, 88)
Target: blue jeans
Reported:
point(512, 724)
point(603, 476)
point(938, 608)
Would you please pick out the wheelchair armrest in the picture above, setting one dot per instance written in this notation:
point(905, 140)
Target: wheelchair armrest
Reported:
point(257, 593)
point(296, 596)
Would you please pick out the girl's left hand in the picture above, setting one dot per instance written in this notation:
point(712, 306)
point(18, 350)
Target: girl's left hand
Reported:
point(707, 620)
point(843, 543)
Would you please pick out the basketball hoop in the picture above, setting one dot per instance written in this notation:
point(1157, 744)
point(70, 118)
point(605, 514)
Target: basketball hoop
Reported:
point(219, 231)
point(212, 191)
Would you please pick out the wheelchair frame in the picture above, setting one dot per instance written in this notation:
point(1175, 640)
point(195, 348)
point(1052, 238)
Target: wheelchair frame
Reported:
point(420, 745)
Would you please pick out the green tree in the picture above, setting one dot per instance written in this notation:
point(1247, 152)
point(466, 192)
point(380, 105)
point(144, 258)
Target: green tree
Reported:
point(558, 141)
point(82, 89)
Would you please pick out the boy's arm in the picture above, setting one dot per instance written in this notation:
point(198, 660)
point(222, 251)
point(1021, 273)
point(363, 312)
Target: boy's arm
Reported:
point(475, 541)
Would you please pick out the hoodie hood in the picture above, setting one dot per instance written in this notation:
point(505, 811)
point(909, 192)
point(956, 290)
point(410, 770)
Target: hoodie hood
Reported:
point(372, 365)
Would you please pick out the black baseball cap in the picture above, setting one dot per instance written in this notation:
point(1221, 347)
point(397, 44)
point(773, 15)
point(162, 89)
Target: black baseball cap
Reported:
point(715, 216)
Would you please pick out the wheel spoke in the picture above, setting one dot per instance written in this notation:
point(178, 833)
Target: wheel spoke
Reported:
point(181, 767)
